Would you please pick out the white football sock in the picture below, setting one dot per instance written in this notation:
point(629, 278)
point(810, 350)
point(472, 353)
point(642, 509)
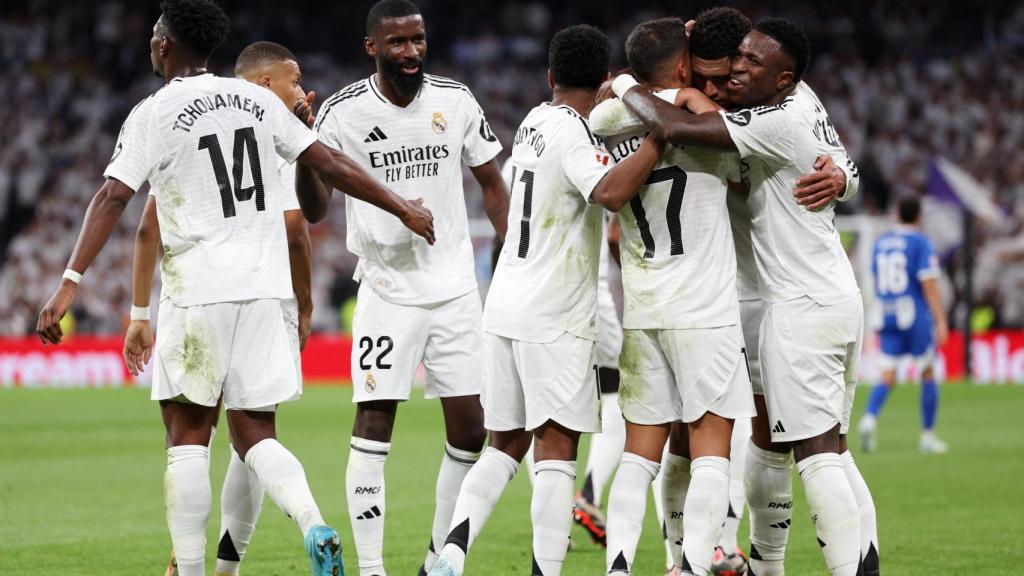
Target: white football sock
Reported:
point(282, 476)
point(479, 494)
point(707, 503)
point(605, 449)
point(551, 513)
point(364, 490)
point(737, 498)
point(454, 467)
point(187, 500)
point(659, 512)
point(627, 504)
point(675, 474)
point(866, 505)
point(241, 500)
point(768, 480)
point(834, 509)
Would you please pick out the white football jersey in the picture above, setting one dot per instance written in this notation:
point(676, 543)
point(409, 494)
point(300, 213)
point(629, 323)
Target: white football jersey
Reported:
point(678, 259)
point(209, 146)
point(739, 219)
point(417, 152)
point(286, 174)
point(798, 252)
point(546, 281)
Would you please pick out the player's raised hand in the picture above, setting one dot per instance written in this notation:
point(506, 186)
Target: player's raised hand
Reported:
point(303, 108)
point(819, 188)
point(48, 325)
point(138, 345)
point(418, 219)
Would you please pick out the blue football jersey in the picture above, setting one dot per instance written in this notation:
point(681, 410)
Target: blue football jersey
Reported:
point(903, 258)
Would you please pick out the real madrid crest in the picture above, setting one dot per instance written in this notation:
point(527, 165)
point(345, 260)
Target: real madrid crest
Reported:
point(371, 382)
point(438, 123)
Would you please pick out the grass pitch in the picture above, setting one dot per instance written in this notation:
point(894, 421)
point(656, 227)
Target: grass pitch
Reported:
point(81, 489)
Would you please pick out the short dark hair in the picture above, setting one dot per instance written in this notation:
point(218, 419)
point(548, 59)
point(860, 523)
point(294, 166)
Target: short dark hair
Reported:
point(718, 32)
point(388, 9)
point(909, 209)
point(260, 54)
point(579, 57)
point(793, 40)
point(652, 43)
point(199, 26)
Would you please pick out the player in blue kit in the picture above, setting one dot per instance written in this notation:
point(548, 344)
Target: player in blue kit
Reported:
point(910, 320)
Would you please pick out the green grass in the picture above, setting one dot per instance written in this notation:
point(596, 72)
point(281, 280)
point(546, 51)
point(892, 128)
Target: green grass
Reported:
point(81, 475)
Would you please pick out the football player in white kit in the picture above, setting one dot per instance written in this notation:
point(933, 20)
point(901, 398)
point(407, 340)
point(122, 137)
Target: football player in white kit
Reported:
point(811, 333)
point(714, 40)
point(416, 303)
point(683, 354)
point(540, 316)
point(223, 331)
point(274, 67)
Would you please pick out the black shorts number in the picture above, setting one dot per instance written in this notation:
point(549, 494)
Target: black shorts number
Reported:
point(366, 345)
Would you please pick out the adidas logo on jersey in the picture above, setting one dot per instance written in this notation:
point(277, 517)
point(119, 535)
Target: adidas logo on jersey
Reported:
point(376, 135)
point(370, 514)
point(779, 428)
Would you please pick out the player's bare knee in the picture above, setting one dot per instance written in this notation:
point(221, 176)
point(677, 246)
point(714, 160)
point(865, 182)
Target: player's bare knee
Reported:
point(515, 443)
point(464, 422)
point(249, 428)
point(928, 374)
point(829, 441)
point(889, 378)
point(187, 423)
point(552, 441)
point(375, 420)
point(710, 435)
point(679, 439)
point(646, 441)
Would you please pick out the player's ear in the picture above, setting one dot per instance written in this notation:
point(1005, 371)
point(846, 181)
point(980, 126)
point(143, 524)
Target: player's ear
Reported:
point(785, 80)
point(370, 47)
point(264, 80)
point(551, 80)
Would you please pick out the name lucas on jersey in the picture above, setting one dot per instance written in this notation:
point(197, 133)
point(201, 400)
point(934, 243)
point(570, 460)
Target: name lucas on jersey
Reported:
point(408, 163)
point(189, 114)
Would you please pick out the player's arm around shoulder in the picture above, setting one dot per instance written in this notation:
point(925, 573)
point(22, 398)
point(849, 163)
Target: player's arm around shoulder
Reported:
point(669, 123)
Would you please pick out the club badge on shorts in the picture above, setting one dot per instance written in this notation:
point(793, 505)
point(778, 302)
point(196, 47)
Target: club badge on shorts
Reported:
point(438, 123)
point(371, 382)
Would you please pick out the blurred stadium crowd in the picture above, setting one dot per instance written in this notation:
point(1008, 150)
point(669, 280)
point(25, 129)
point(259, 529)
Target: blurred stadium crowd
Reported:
point(903, 82)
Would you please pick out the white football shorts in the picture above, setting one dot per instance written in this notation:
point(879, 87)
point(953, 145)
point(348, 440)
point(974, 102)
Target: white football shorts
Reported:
point(248, 351)
point(751, 315)
point(527, 384)
point(669, 375)
point(809, 357)
point(389, 341)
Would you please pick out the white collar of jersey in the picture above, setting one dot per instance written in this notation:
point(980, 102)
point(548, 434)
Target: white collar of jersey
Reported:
point(372, 80)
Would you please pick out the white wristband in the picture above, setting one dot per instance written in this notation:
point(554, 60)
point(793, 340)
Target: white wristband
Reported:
point(623, 83)
point(73, 276)
point(138, 313)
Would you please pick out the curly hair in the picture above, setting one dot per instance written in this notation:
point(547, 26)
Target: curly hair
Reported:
point(652, 43)
point(718, 32)
point(388, 9)
point(198, 25)
point(579, 57)
point(792, 39)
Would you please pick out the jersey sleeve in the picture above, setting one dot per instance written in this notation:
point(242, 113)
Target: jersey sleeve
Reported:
point(291, 136)
point(479, 144)
point(138, 150)
point(327, 127)
point(286, 173)
point(926, 262)
point(766, 133)
point(585, 160)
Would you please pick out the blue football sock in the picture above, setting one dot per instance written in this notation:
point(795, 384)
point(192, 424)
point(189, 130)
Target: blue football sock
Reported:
point(929, 403)
point(877, 399)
